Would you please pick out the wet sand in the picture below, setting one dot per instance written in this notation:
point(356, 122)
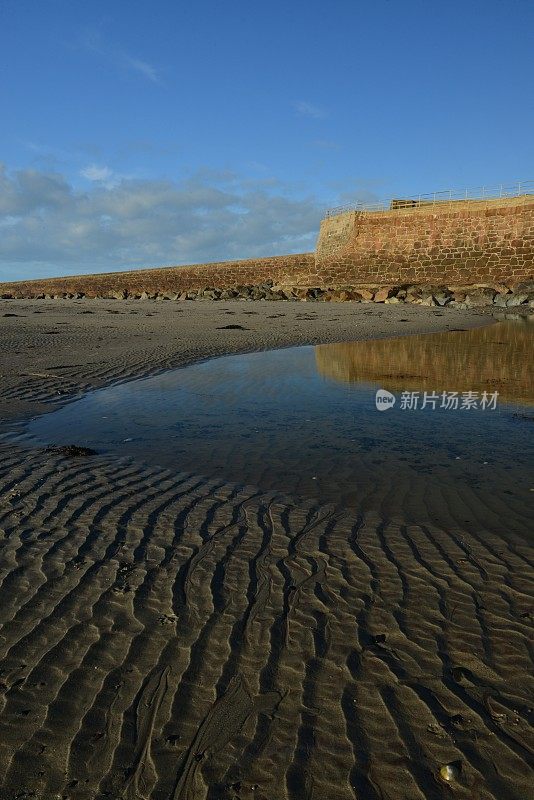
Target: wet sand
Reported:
point(167, 636)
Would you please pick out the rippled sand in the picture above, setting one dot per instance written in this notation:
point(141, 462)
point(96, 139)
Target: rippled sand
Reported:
point(166, 636)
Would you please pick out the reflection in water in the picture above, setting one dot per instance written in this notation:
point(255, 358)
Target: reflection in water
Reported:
point(496, 358)
point(278, 421)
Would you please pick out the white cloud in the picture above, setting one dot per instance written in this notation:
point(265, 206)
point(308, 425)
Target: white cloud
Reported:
point(306, 109)
point(95, 173)
point(51, 227)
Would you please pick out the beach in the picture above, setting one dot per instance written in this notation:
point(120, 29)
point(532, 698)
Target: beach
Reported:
point(167, 635)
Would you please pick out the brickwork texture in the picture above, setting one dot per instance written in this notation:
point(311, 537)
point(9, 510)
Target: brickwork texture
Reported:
point(459, 242)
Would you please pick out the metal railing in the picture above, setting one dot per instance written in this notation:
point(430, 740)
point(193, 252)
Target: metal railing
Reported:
point(479, 194)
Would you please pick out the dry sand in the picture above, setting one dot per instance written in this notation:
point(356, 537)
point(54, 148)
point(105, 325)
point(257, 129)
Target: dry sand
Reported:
point(167, 637)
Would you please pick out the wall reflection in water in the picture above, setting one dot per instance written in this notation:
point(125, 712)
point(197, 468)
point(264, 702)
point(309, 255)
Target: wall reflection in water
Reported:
point(496, 358)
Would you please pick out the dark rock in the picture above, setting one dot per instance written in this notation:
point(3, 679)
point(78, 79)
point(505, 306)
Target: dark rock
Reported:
point(72, 451)
point(525, 286)
point(480, 298)
point(515, 299)
point(500, 300)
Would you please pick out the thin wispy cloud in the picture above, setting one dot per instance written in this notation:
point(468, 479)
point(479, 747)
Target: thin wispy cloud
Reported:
point(114, 54)
point(97, 174)
point(137, 65)
point(306, 109)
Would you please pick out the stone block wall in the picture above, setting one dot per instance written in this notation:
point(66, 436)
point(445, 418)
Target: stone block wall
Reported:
point(458, 242)
point(291, 269)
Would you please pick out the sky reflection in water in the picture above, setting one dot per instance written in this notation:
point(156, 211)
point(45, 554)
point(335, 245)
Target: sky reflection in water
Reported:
point(303, 421)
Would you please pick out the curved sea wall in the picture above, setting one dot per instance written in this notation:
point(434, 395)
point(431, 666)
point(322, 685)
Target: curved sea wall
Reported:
point(458, 242)
point(453, 245)
point(223, 275)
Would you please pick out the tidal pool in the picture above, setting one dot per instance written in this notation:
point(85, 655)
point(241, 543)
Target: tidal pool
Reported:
point(304, 422)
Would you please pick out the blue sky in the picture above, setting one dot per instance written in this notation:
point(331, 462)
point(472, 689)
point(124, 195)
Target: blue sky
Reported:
point(145, 133)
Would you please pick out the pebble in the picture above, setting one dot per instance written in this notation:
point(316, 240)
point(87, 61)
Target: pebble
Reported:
point(450, 772)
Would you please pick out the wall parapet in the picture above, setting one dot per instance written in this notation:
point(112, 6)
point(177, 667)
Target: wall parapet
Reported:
point(478, 194)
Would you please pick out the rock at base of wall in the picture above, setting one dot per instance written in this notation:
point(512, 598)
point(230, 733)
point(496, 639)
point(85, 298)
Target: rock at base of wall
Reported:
point(384, 293)
point(457, 296)
point(480, 298)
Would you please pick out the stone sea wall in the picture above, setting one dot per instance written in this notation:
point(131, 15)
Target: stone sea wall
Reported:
point(444, 247)
point(174, 280)
point(457, 242)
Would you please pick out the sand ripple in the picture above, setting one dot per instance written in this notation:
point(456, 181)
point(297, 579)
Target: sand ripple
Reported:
point(165, 636)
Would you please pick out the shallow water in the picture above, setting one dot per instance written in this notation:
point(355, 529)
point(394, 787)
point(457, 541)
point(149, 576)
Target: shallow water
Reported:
point(304, 422)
